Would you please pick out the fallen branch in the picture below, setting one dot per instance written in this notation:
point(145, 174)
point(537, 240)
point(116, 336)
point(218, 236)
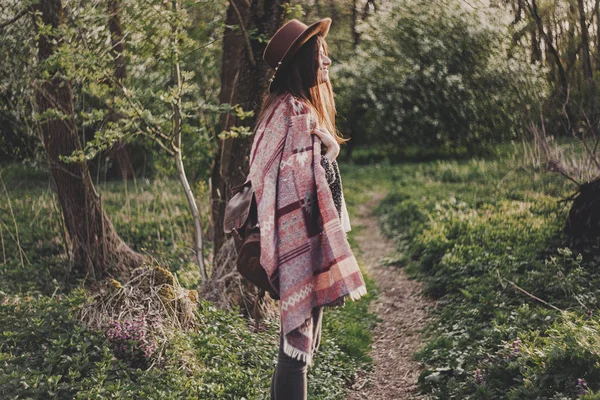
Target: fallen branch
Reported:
point(531, 295)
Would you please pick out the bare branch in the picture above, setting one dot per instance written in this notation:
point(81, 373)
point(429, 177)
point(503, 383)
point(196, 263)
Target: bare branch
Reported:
point(591, 152)
point(520, 289)
point(14, 19)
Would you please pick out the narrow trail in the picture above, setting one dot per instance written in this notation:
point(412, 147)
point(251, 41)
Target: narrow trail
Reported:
point(402, 309)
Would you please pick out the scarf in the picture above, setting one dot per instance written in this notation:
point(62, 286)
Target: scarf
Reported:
point(334, 180)
point(304, 248)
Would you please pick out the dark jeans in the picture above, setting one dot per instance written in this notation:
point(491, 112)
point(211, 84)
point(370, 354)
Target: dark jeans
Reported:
point(289, 378)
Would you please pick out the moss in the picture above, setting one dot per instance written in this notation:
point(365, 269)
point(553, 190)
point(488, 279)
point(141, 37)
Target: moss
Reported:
point(167, 293)
point(193, 296)
point(163, 276)
point(115, 284)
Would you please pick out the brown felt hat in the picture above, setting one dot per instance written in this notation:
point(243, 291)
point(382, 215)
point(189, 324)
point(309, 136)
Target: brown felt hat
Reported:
point(288, 39)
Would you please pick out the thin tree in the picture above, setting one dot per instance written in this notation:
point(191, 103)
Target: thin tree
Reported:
point(597, 15)
point(585, 42)
point(588, 72)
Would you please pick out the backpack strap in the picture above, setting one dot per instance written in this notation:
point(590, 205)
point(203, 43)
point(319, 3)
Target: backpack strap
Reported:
point(259, 296)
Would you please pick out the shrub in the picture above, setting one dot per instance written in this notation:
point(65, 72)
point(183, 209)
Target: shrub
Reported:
point(130, 341)
point(440, 77)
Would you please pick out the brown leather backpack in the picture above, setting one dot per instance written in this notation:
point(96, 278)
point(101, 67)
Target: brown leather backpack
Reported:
point(241, 220)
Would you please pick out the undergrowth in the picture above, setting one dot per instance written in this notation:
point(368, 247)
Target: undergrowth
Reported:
point(47, 352)
point(486, 236)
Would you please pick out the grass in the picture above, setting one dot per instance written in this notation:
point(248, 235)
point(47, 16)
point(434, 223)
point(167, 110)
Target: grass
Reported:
point(472, 228)
point(46, 352)
point(466, 228)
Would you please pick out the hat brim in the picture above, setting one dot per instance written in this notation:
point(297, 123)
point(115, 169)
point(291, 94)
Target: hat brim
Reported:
point(320, 27)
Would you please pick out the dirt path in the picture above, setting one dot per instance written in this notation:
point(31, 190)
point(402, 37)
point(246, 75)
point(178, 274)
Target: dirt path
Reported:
point(403, 311)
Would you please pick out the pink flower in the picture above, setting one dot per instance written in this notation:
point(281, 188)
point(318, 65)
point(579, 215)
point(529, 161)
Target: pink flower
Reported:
point(478, 376)
point(582, 387)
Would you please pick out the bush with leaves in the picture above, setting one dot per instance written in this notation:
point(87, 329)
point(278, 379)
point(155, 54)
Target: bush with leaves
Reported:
point(442, 77)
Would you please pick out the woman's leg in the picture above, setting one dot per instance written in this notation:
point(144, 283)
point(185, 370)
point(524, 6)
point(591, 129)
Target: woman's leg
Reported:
point(289, 378)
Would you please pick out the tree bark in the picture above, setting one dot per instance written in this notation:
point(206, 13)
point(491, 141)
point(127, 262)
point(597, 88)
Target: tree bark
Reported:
point(97, 249)
point(244, 79)
point(597, 13)
point(585, 43)
point(536, 51)
point(119, 151)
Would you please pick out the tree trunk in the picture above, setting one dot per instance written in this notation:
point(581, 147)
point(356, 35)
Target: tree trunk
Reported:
point(177, 130)
point(572, 46)
point(557, 60)
point(97, 249)
point(584, 218)
point(243, 81)
point(597, 13)
point(198, 246)
point(517, 10)
point(536, 51)
point(119, 151)
point(587, 62)
point(585, 43)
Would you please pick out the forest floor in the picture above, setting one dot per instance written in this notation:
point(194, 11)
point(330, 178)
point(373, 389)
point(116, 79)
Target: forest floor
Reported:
point(402, 308)
point(47, 351)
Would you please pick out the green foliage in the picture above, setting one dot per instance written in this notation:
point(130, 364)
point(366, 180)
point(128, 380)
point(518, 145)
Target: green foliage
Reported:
point(46, 352)
point(18, 139)
point(473, 230)
point(571, 344)
point(435, 77)
point(109, 107)
point(151, 216)
point(292, 11)
point(158, 38)
point(353, 325)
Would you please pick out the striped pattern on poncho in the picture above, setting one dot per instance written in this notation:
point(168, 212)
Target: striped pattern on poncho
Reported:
point(304, 248)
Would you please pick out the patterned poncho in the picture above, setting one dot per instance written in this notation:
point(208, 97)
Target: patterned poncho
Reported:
point(304, 248)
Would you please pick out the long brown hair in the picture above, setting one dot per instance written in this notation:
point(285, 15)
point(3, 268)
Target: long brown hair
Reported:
point(299, 78)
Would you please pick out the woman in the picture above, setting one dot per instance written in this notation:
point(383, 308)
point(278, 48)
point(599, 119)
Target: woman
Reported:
point(301, 209)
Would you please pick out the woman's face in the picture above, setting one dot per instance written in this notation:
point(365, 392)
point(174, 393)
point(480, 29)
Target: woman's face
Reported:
point(324, 63)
